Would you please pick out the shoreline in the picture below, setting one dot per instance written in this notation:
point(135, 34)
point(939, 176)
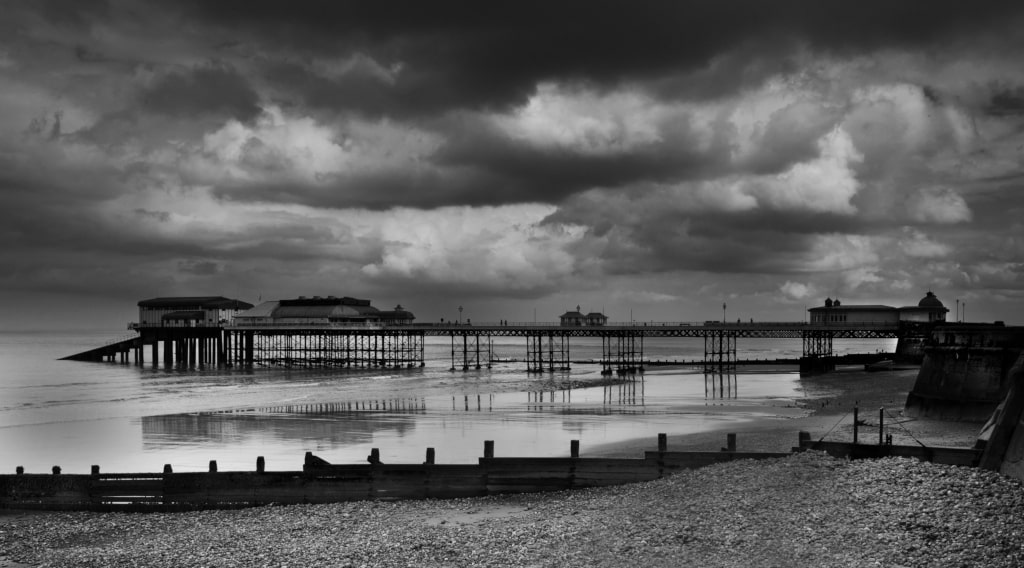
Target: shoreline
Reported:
point(828, 400)
point(803, 510)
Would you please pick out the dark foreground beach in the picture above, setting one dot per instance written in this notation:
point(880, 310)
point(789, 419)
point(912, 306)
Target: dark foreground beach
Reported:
point(804, 510)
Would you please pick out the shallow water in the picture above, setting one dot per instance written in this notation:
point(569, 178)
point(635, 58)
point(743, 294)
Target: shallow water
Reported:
point(138, 418)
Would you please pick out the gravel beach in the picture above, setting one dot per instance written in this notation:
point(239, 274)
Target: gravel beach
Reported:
point(804, 510)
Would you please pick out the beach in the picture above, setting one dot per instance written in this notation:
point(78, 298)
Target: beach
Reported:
point(804, 510)
point(829, 400)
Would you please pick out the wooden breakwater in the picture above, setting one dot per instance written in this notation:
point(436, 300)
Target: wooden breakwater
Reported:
point(323, 482)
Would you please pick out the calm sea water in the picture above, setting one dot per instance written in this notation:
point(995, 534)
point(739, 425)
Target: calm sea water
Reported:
point(128, 418)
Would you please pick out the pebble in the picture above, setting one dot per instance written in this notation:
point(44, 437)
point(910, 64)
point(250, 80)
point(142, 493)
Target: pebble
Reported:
point(808, 509)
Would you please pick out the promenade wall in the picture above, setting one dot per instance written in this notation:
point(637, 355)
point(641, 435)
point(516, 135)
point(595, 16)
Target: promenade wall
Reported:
point(965, 372)
point(1004, 433)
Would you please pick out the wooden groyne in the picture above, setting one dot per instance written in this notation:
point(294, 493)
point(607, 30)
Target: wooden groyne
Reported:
point(323, 482)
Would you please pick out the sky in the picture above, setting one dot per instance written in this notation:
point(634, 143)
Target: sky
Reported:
point(649, 160)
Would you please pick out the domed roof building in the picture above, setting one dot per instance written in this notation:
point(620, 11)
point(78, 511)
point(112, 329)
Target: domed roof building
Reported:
point(928, 310)
point(930, 301)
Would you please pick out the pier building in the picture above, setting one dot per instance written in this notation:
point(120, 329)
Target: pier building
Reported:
point(319, 310)
point(576, 318)
point(189, 311)
point(928, 310)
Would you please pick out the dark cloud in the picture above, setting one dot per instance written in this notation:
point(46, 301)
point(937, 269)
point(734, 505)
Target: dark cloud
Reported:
point(72, 12)
point(1006, 101)
point(852, 146)
point(654, 232)
point(210, 88)
point(160, 216)
point(465, 54)
point(199, 267)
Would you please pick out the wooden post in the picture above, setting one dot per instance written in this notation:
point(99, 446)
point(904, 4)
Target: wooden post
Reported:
point(261, 464)
point(430, 456)
point(374, 456)
point(730, 442)
point(19, 470)
point(804, 438)
point(95, 470)
point(488, 448)
point(167, 468)
point(856, 425)
point(662, 442)
point(574, 448)
point(213, 466)
point(56, 470)
point(881, 424)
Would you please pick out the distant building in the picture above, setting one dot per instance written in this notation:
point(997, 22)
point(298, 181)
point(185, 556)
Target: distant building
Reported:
point(189, 311)
point(928, 310)
point(577, 319)
point(318, 310)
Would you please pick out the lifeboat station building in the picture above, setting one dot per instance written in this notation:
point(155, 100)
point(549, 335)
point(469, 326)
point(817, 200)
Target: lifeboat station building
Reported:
point(928, 310)
point(189, 311)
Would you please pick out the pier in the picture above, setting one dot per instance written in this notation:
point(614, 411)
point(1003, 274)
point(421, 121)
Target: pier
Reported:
point(547, 347)
point(346, 332)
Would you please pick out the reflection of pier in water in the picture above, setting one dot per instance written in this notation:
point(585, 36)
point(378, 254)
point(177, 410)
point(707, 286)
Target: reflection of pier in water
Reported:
point(467, 406)
point(629, 392)
point(333, 424)
point(720, 385)
point(389, 405)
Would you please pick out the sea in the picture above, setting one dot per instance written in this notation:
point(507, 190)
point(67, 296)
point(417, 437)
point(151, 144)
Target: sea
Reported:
point(130, 418)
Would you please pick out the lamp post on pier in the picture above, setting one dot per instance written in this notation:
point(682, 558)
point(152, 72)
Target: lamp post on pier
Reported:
point(723, 312)
point(460, 315)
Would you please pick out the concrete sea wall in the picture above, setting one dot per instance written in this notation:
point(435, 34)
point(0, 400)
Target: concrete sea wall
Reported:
point(965, 372)
point(1004, 448)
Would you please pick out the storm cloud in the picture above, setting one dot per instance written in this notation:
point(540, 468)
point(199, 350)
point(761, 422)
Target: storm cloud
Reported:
point(653, 158)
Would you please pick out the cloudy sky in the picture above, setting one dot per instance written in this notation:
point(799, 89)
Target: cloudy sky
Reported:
point(648, 159)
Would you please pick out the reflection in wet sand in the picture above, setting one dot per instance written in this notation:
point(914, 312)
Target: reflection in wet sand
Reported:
point(721, 385)
point(526, 423)
point(333, 429)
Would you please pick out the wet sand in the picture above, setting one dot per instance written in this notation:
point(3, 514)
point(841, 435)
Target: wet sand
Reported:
point(828, 401)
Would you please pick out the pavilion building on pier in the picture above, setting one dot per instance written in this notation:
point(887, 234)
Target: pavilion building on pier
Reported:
point(317, 310)
point(928, 310)
point(577, 318)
